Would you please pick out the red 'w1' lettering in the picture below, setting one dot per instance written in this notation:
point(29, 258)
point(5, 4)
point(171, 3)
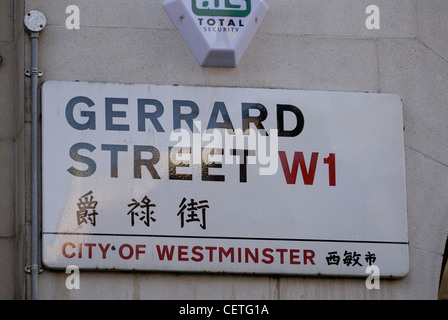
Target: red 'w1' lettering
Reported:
point(331, 161)
point(307, 173)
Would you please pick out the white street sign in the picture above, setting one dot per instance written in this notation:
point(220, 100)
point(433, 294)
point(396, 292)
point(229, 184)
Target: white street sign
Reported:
point(236, 180)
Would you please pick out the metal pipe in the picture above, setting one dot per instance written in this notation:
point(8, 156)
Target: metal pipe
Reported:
point(34, 166)
point(35, 22)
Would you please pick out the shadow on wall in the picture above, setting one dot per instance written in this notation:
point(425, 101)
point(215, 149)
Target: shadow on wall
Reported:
point(443, 289)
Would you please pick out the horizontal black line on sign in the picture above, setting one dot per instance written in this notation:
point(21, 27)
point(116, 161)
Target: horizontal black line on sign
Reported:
point(216, 237)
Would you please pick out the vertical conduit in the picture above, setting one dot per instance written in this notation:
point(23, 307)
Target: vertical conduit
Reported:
point(35, 22)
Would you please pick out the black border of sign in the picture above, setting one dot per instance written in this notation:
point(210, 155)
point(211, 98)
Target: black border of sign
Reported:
point(218, 237)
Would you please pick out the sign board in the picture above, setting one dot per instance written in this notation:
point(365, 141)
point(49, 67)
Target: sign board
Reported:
point(218, 32)
point(200, 179)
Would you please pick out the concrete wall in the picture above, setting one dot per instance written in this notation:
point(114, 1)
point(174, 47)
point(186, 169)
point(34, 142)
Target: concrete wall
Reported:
point(302, 44)
point(12, 144)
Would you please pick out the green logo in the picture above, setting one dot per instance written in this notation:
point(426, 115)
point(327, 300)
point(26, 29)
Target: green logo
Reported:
point(229, 8)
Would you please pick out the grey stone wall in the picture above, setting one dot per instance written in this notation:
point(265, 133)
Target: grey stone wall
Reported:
point(302, 44)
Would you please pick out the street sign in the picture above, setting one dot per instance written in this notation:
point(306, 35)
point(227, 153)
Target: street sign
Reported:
point(218, 32)
point(238, 180)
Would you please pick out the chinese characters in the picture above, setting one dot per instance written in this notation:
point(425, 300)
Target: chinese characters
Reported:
point(144, 215)
point(190, 211)
point(86, 209)
point(144, 211)
point(350, 259)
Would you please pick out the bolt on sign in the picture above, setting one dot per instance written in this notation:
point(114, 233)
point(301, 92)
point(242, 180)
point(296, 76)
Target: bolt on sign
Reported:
point(237, 180)
point(218, 32)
